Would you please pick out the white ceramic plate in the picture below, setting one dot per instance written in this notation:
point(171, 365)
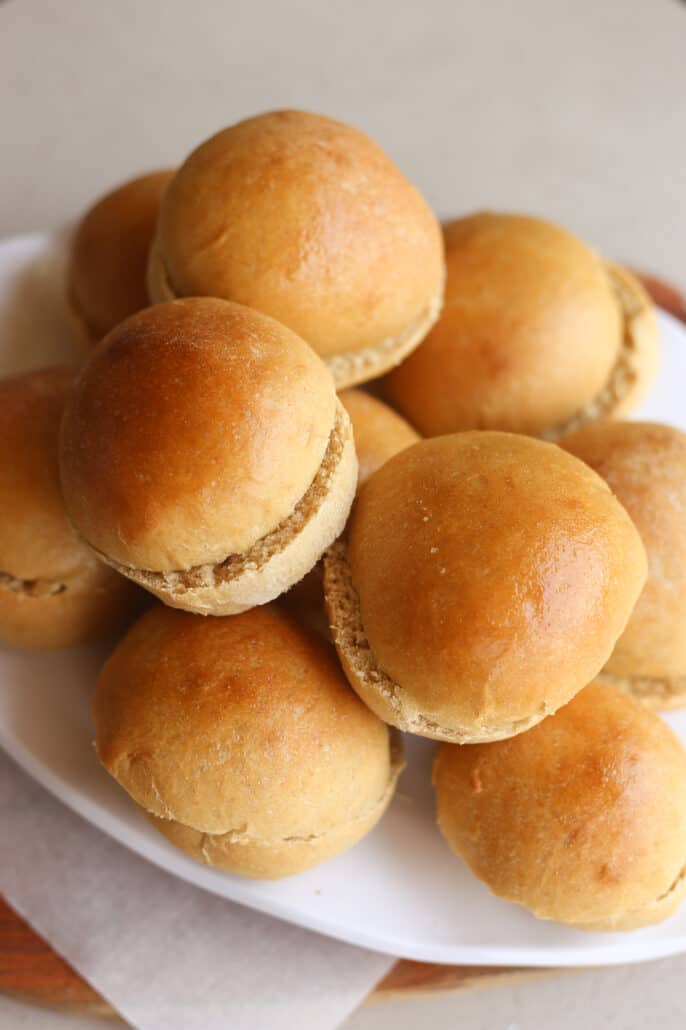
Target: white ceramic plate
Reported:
point(400, 890)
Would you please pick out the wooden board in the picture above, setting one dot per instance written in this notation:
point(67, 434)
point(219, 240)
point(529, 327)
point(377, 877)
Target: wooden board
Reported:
point(32, 971)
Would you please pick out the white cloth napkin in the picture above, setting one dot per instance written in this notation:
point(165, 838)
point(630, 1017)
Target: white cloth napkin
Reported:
point(166, 955)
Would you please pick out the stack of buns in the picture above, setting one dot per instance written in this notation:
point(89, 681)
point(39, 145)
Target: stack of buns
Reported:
point(497, 562)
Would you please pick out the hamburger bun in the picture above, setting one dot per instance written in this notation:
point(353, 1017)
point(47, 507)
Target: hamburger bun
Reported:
point(582, 820)
point(204, 455)
point(644, 465)
point(485, 581)
point(537, 335)
point(307, 220)
point(241, 740)
point(106, 279)
point(54, 593)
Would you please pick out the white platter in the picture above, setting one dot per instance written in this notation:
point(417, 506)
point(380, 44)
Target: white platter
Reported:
point(400, 890)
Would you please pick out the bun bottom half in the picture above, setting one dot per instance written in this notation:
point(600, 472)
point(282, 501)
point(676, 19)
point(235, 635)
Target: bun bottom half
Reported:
point(245, 855)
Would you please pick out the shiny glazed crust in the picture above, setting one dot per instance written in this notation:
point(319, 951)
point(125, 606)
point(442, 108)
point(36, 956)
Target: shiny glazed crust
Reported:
point(192, 431)
point(485, 580)
point(384, 696)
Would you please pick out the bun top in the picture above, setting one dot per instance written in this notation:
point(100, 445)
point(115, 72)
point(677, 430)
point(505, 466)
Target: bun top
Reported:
point(581, 819)
point(306, 219)
point(193, 431)
point(378, 430)
point(36, 539)
point(109, 253)
point(494, 574)
point(645, 466)
point(529, 333)
point(243, 723)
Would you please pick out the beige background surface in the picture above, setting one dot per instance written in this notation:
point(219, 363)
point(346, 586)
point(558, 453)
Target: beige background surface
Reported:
point(574, 109)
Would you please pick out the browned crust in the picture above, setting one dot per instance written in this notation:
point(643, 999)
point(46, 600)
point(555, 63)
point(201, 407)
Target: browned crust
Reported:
point(385, 697)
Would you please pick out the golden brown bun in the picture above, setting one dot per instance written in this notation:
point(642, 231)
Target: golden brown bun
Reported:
point(536, 335)
point(645, 466)
point(106, 279)
point(306, 219)
point(379, 431)
point(486, 579)
point(582, 820)
point(242, 735)
point(205, 455)
point(53, 591)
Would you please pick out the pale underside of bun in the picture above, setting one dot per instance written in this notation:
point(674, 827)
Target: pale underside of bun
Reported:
point(654, 691)
point(386, 698)
point(360, 366)
point(279, 559)
point(349, 368)
point(653, 912)
point(636, 362)
point(647, 915)
point(240, 852)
